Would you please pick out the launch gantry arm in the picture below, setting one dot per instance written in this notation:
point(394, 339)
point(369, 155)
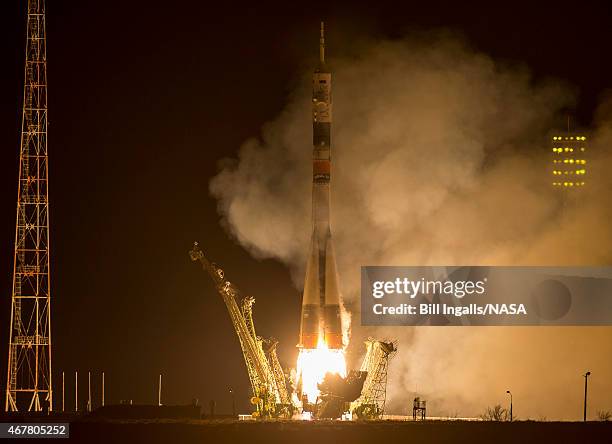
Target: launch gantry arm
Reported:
point(371, 403)
point(266, 393)
point(278, 372)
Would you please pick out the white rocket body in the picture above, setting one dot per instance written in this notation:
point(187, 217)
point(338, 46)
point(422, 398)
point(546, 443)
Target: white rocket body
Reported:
point(321, 318)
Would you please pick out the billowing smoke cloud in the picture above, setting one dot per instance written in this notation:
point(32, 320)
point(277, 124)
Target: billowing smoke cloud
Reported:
point(440, 157)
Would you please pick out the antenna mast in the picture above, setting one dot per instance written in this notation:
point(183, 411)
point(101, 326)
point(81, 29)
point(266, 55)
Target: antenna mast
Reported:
point(322, 45)
point(28, 385)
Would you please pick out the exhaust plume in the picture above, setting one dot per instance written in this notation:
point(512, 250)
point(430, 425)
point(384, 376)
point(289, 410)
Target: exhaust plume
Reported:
point(441, 157)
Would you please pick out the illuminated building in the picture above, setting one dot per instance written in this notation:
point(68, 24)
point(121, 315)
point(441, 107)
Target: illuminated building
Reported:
point(569, 160)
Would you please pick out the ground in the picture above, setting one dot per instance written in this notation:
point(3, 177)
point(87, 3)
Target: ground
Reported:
point(319, 432)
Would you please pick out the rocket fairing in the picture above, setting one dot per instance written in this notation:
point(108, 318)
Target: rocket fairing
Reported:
point(321, 318)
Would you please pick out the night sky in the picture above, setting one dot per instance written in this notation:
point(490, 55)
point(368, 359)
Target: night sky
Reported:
point(145, 100)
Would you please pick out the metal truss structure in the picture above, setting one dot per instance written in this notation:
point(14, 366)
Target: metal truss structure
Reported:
point(270, 397)
point(371, 403)
point(29, 353)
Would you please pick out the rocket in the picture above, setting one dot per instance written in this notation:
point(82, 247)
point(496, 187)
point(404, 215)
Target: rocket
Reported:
point(321, 299)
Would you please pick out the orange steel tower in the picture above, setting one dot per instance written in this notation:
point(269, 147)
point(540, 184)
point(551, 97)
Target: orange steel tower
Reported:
point(28, 384)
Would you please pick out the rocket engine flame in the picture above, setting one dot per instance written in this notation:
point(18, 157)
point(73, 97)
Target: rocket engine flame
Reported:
point(314, 363)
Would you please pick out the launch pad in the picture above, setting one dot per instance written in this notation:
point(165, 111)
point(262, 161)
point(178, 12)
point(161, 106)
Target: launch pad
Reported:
point(361, 394)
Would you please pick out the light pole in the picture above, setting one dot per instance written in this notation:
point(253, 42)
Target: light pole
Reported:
point(508, 392)
point(586, 382)
point(233, 402)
